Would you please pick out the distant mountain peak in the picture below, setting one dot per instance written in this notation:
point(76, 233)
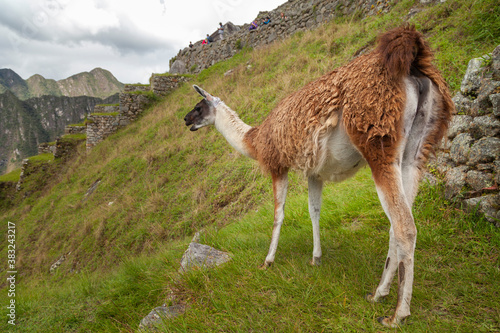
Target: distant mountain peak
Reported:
point(98, 82)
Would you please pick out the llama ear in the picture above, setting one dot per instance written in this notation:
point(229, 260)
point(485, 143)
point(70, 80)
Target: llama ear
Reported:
point(203, 93)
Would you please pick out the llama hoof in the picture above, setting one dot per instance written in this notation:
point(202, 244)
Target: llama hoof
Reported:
point(265, 265)
point(390, 321)
point(315, 261)
point(386, 321)
point(371, 298)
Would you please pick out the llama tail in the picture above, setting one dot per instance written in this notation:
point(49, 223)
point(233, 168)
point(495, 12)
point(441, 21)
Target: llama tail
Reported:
point(403, 48)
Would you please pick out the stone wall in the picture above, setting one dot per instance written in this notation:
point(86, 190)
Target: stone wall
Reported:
point(106, 108)
point(163, 84)
point(100, 127)
point(46, 147)
point(136, 87)
point(66, 147)
point(132, 105)
point(300, 15)
point(470, 158)
point(75, 129)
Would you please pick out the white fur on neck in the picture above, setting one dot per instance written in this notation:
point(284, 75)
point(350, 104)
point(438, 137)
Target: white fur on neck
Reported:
point(231, 127)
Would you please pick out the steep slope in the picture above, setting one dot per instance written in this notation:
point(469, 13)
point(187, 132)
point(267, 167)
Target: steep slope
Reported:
point(157, 183)
point(10, 80)
point(21, 130)
point(25, 124)
point(96, 83)
point(39, 86)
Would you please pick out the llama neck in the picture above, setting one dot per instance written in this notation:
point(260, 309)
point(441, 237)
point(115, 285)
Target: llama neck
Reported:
point(232, 128)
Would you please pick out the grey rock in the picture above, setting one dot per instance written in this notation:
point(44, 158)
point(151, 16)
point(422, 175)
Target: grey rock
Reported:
point(443, 162)
point(482, 104)
point(484, 126)
point(202, 256)
point(486, 204)
point(455, 181)
point(430, 179)
point(463, 104)
point(460, 148)
point(495, 64)
point(472, 79)
point(495, 103)
point(155, 319)
point(486, 167)
point(485, 150)
point(458, 124)
point(497, 171)
point(479, 180)
point(178, 67)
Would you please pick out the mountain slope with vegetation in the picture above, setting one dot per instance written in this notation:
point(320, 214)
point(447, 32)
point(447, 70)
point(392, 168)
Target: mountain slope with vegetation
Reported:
point(45, 107)
point(26, 124)
point(158, 183)
point(96, 83)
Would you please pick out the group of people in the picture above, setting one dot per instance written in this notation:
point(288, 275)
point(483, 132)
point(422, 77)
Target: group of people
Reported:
point(220, 29)
point(209, 39)
point(254, 26)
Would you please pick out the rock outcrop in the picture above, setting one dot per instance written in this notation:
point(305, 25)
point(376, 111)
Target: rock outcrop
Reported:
point(470, 158)
point(297, 16)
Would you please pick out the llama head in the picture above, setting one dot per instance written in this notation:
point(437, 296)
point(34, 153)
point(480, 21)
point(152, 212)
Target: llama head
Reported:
point(203, 114)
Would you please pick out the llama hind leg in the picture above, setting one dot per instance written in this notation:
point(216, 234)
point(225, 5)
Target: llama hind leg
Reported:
point(390, 268)
point(315, 190)
point(280, 186)
point(393, 198)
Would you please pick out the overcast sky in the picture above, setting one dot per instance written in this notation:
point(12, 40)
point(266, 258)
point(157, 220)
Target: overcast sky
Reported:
point(130, 38)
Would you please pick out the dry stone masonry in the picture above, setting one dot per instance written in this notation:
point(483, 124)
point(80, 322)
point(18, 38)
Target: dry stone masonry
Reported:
point(107, 119)
point(297, 16)
point(470, 159)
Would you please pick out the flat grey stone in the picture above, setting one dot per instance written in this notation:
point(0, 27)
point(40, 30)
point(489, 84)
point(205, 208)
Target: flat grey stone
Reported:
point(202, 256)
point(155, 319)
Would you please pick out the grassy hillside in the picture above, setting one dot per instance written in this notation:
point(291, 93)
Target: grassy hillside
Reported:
point(160, 183)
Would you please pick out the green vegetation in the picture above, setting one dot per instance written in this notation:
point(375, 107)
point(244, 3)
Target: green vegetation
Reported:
point(115, 104)
point(160, 183)
point(111, 114)
point(74, 137)
point(168, 74)
point(12, 176)
point(41, 158)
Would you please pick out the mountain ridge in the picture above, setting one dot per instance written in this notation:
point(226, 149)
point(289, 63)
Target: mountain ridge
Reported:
point(98, 82)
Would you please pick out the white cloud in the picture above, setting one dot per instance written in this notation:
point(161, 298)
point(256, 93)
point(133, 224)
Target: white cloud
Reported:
point(132, 39)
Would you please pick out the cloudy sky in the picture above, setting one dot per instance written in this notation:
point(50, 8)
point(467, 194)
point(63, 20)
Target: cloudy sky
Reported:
point(130, 38)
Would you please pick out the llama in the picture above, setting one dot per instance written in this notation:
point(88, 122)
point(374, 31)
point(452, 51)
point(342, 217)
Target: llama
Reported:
point(387, 109)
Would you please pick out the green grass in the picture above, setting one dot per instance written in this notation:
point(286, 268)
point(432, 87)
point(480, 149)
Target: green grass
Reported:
point(160, 183)
point(41, 158)
point(115, 104)
point(174, 75)
point(75, 137)
point(12, 176)
point(456, 275)
point(110, 114)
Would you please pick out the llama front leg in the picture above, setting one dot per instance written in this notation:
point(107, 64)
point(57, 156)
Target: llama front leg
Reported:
point(280, 186)
point(315, 190)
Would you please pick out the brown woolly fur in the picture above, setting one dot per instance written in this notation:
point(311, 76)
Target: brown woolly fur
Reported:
point(377, 98)
point(283, 141)
point(368, 93)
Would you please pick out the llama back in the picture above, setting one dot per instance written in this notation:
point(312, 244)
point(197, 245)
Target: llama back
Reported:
point(366, 93)
point(293, 134)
